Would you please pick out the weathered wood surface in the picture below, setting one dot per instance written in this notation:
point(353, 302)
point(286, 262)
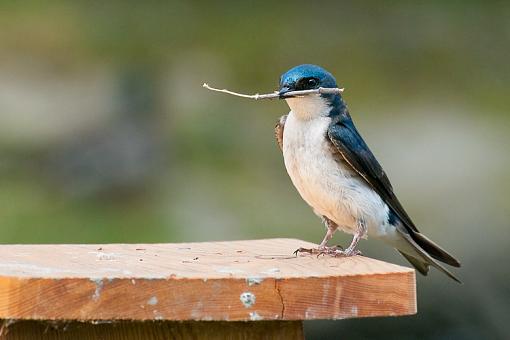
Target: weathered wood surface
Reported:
point(227, 281)
point(153, 330)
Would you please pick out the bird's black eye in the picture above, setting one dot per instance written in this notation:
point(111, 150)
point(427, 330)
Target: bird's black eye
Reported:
point(307, 83)
point(311, 82)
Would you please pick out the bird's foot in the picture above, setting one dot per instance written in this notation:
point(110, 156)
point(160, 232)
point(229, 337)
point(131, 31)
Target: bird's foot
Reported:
point(336, 252)
point(321, 250)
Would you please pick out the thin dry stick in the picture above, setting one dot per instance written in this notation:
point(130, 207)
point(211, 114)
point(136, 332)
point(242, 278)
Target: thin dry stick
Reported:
point(275, 95)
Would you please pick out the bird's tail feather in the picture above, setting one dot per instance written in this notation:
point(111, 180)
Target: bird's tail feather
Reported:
point(420, 266)
point(434, 250)
point(420, 258)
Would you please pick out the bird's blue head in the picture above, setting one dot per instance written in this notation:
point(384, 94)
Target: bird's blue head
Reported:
point(309, 77)
point(306, 77)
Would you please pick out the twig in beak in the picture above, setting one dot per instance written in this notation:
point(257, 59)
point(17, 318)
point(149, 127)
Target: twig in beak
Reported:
point(276, 95)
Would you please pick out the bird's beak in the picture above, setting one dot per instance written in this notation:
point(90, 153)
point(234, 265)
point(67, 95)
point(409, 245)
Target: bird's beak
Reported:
point(283, 91)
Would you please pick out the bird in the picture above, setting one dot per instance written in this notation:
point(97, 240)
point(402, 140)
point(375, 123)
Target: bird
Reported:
point(338, 176)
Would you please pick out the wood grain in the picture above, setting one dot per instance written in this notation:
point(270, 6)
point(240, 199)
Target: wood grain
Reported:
point(153, 330)
point(229, 281)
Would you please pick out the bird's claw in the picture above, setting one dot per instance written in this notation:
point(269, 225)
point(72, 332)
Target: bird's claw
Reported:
point(339, 253)
point(305, 250)
point(336, 251)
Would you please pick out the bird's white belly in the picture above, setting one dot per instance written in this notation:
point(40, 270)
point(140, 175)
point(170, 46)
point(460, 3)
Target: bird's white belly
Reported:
point(331, 188)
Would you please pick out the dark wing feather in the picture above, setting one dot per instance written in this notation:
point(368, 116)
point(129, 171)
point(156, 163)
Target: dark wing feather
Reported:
point(278, 131)
point(347, 140)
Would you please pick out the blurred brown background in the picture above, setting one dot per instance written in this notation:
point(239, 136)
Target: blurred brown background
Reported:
point(107, 136)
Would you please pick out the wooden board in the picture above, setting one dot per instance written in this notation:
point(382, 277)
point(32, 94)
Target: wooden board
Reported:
point(228, 281)
point(152, 330)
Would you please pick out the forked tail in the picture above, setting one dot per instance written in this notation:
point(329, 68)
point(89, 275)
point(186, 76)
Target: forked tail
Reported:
point(422, 253)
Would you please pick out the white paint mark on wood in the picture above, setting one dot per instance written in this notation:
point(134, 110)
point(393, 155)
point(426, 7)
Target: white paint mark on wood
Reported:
point(254, 281)
point(152, 301)
point(99, 287)
point(101, 322)
point(248, 299)
point(102, 256)
point(254, 316)
point(228, 270)
point(271, 271)
point(157, 315)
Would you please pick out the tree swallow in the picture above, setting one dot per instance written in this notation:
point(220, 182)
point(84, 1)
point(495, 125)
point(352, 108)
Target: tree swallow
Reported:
point(335, 172)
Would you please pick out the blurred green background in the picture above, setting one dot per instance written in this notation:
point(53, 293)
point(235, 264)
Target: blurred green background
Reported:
point(107, 136)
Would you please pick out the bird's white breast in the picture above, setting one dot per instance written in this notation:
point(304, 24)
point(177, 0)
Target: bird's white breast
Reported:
point(331, 187)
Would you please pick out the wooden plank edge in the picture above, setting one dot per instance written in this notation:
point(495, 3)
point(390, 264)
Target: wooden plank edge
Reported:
point(308, 298)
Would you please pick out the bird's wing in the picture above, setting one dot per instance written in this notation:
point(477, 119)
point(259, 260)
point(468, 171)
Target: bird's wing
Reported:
point(278, 131)
point(347, 140)
point(343, 135)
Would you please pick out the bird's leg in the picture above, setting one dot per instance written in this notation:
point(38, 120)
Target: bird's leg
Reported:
point(331, 229)
point(361, 231)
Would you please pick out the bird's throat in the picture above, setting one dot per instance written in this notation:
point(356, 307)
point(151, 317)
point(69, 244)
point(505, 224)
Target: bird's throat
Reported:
point(309, 107)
